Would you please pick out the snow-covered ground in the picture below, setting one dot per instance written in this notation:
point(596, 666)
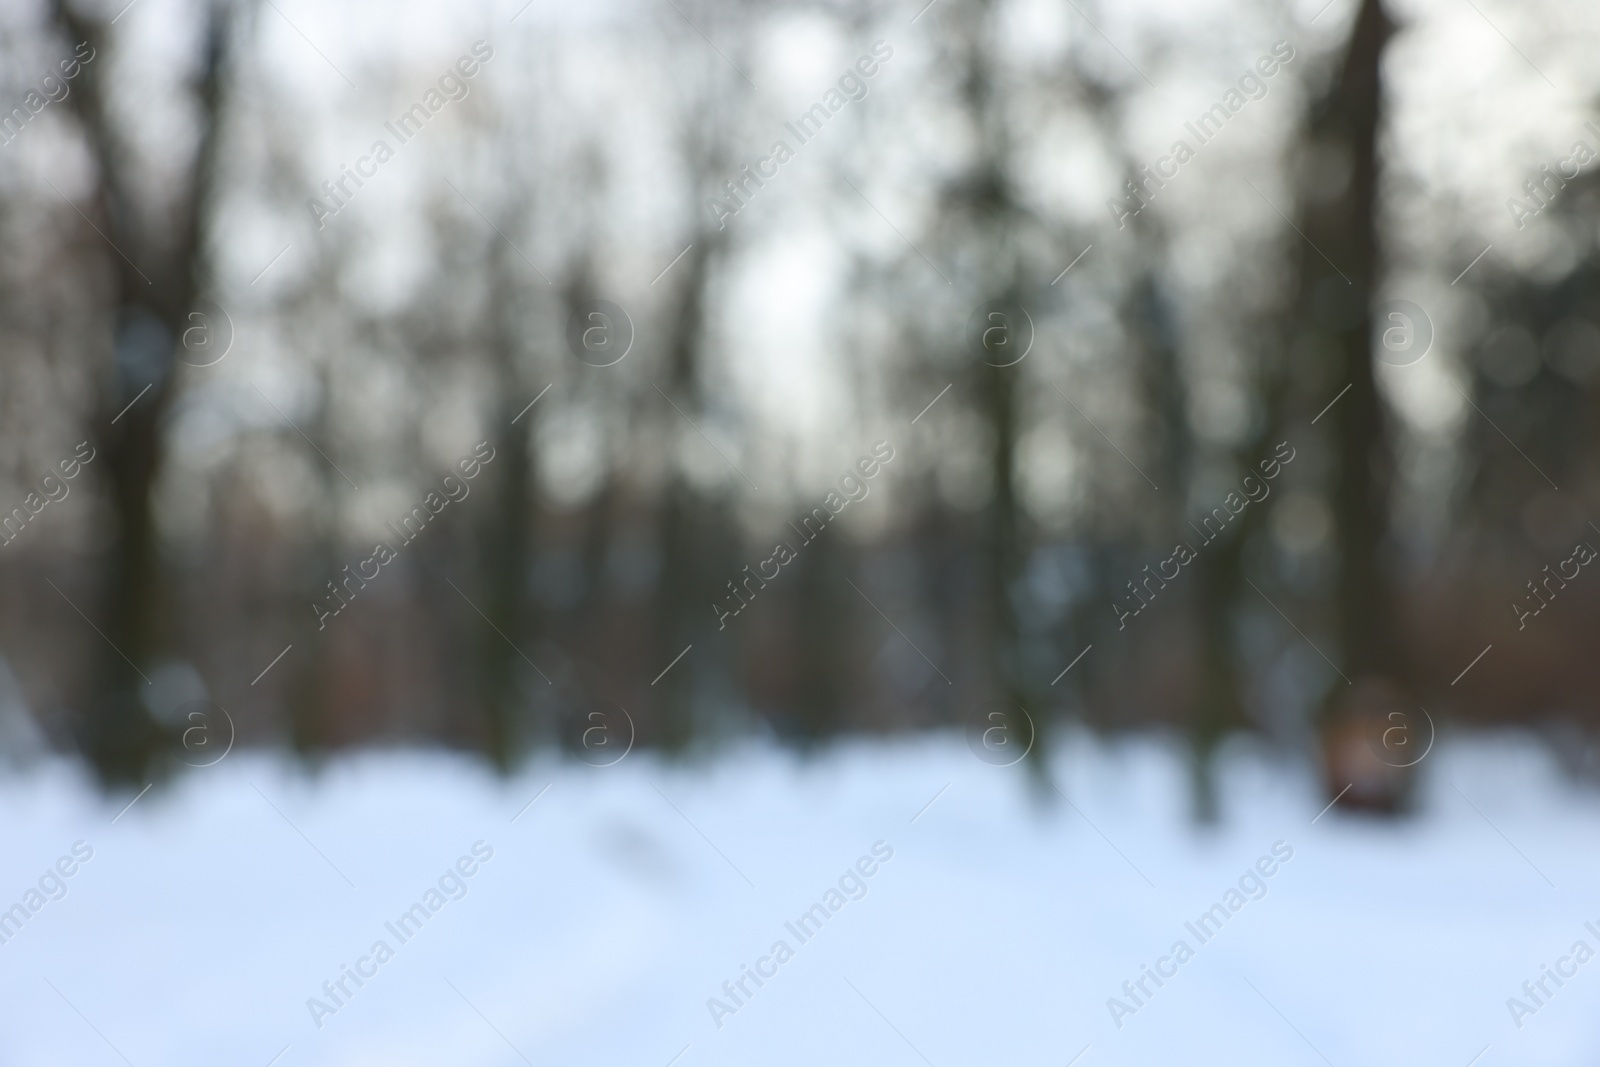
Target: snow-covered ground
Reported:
point(613, 909)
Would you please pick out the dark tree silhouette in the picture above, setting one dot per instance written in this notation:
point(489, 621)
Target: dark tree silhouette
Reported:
point(155, 256)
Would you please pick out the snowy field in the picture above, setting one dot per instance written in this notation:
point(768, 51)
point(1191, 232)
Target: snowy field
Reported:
point(214, 921)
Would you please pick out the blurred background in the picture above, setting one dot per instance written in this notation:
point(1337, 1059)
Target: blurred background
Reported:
point(271, 370)
point(486, 381)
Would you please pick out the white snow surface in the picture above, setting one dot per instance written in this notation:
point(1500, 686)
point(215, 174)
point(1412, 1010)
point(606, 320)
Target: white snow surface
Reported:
point(619, 903)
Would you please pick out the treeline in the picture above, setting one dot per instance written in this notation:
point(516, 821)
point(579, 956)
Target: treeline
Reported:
point(666, 389)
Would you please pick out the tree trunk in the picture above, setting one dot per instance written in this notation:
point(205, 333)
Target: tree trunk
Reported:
point(1336, 303)
point(153, 305)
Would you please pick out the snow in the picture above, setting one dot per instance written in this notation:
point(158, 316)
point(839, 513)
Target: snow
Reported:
point(621, 900)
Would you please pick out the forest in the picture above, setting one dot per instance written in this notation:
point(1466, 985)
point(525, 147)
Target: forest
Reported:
point(1212, 376)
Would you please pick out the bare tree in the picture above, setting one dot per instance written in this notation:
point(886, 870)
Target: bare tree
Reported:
point(156, 239)
point(1341, 266)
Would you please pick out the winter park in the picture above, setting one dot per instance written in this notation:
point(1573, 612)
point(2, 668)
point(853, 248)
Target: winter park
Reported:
point(691, 532)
